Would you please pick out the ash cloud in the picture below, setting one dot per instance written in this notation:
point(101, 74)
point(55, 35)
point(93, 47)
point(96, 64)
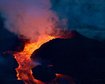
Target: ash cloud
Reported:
point(30, 18)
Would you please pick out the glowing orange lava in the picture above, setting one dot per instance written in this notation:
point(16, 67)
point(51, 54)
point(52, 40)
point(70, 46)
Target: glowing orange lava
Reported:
point(25, 63)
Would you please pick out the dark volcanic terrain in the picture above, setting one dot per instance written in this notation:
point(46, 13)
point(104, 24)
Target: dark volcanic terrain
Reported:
point(81, 58)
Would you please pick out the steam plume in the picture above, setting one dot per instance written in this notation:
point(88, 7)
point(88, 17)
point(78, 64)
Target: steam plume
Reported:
point(30, 18)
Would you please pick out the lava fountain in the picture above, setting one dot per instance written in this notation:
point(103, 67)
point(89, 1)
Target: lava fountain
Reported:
point(25, 63)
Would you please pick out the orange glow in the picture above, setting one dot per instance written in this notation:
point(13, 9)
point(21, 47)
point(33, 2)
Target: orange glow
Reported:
point(65, 77)
point(38, 82)
point(25, 63)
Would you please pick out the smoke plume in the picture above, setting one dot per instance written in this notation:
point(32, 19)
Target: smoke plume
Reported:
point(30, 18)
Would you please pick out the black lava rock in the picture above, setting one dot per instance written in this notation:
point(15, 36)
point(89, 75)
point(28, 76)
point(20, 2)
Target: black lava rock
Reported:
point(43, 73)
point(79, 57)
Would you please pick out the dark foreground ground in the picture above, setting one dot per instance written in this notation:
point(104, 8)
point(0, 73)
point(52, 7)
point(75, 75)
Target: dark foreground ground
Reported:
point(81, 58)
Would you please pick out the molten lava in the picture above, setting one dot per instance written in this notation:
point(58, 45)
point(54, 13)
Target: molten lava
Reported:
point(25, 63)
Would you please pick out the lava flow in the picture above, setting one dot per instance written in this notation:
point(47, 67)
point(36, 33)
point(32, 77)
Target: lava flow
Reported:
point(25, 63)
